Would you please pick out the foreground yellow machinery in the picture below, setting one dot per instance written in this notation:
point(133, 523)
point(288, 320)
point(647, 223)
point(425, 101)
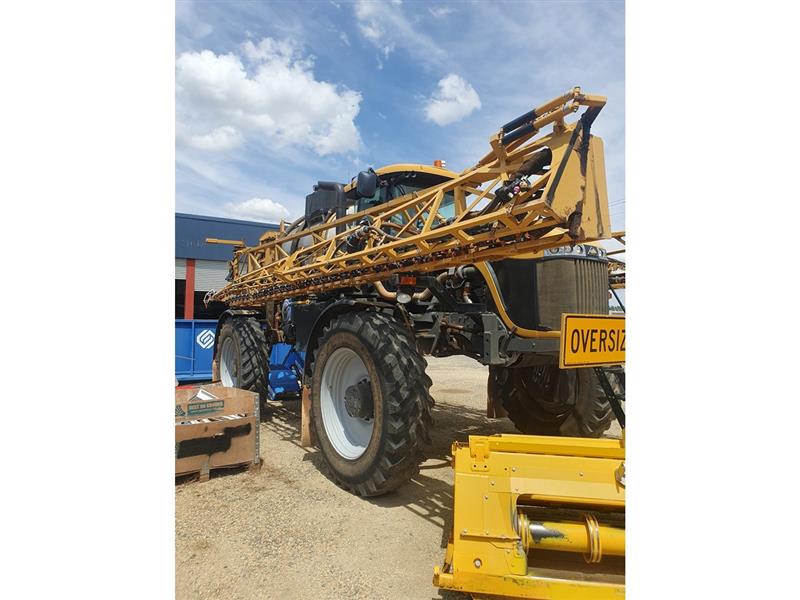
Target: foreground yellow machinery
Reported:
point(537, 517)
point(540, 516)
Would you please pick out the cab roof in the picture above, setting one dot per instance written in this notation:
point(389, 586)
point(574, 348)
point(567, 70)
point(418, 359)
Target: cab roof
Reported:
point(400, 167)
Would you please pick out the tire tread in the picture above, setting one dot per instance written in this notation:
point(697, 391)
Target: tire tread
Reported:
point(406, 394)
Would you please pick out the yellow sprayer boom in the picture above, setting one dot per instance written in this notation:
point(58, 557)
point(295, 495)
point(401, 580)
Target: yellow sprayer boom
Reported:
point(528, 193)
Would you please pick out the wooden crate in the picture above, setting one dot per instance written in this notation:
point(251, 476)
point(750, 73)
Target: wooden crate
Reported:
point(217, 431)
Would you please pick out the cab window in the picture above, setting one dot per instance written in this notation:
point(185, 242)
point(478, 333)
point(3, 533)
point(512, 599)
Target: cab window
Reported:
point(394, 185)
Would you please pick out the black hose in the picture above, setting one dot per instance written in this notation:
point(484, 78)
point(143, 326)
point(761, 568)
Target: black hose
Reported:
point(536, 163)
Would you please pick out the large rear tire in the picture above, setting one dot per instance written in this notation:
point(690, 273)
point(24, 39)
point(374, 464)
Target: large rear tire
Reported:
point(546, 400)
point(370, 402)
point(243, 356)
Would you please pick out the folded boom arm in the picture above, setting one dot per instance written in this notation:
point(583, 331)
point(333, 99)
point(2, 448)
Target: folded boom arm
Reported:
point(530, 192)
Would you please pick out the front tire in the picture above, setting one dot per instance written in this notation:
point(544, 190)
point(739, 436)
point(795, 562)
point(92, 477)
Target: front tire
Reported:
point(370, 402)
point(546, 400)
point(243, 356)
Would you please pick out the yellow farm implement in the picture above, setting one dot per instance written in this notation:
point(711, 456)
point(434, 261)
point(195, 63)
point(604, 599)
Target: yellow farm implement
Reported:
point(537, 517)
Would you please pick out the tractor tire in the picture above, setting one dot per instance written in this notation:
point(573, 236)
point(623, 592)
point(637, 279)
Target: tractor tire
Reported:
point(370, 402)
point(243, 356)
point(546, 400)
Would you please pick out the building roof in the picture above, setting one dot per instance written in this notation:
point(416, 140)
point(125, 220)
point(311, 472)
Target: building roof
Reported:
point(191, 232)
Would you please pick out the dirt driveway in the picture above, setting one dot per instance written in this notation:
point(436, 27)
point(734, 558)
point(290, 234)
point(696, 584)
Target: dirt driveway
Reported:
point(288, 532)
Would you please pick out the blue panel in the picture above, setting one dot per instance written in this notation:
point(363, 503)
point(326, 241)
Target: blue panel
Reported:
point(194, 349)
point(283, 382)
point(278, 355)
point(285, 370)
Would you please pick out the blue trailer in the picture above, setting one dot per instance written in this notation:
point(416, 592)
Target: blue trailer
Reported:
point(194, 349)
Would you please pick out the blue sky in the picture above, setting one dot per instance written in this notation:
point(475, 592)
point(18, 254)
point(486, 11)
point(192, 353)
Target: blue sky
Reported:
point(273, 96)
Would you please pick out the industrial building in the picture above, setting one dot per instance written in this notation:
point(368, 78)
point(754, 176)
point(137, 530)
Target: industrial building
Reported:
point(200, 267)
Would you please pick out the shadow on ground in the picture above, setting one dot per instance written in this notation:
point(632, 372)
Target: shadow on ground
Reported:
point(426, 497)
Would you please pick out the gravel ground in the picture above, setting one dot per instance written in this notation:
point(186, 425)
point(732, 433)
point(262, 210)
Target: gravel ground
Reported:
point(286, 531)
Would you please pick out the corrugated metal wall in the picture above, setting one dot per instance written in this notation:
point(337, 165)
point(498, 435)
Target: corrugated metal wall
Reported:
point(210, 275)
point(180, 268)
point(191, 232)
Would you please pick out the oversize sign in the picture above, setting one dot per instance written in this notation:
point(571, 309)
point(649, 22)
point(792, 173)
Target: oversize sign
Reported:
point(592, 341)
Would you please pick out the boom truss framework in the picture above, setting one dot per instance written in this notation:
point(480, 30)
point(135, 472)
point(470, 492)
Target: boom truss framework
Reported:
point(616, 267)
point(509, 202)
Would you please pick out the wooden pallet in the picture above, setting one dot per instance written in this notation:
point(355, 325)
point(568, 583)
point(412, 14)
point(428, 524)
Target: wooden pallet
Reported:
point(204, 474)
point(215, 427)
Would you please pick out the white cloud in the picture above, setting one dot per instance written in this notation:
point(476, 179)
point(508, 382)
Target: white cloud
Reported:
point(220, 139)
point(454, 100)
point(267, 93)
point(387, 28)
point(441, 11)
point(257, 209)
point(372, 30)
point(186, 16)
point(344, 38)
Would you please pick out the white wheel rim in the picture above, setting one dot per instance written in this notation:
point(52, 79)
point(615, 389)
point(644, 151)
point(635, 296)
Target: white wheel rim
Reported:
point(348, 435)
point(227, 363)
